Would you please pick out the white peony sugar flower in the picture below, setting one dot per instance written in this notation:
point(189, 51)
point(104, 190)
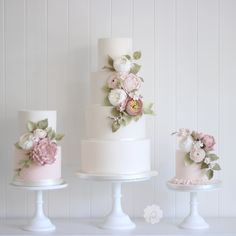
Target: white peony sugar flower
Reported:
point(26, 141)
point(122, 64)
point(117, 97)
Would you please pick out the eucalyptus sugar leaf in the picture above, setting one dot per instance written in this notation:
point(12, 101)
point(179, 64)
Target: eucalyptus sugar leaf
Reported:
point(110, 61)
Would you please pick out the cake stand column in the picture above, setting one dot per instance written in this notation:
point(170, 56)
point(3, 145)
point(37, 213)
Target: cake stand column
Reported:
point(39, 222)
point(194, 220)
point(117, 219)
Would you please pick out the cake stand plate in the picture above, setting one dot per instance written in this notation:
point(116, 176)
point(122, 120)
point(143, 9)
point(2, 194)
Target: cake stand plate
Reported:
point(39, 222)
point(117, 219)
point(194, 220)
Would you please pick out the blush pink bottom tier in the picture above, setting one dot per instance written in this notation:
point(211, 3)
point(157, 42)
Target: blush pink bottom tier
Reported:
point(37, 175)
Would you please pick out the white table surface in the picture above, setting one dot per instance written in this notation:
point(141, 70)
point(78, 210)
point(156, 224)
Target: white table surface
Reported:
point(82, 227)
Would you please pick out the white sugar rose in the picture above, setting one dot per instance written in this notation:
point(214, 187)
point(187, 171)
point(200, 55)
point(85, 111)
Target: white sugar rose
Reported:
point(122, 64)
point(26, 141)
point(197, 154)
point(131, 82)
point(186, 143)
point(117, 97)
point(40, 133)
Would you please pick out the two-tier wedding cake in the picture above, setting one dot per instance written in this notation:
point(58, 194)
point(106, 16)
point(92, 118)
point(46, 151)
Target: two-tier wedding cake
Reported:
point(37, 159)
point(116, 140)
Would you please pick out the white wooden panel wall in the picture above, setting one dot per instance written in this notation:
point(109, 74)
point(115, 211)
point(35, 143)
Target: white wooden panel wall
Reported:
point(47, 51)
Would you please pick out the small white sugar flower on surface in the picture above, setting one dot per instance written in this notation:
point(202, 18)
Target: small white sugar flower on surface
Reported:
point(153, 214)
point(207, 160)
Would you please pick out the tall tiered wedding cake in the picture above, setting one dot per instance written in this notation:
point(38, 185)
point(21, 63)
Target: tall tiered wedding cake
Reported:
point(37, 160)
point(116, 140)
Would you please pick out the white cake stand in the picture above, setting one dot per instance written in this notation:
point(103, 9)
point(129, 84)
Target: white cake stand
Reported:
point(39, 222)
point(117, 219)
point(194, 220)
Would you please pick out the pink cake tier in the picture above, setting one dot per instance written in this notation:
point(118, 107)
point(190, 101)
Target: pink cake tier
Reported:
point(37, 175)
point(188, 174)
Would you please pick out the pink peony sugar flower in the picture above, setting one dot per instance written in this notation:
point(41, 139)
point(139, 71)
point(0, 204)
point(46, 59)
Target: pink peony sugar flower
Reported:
point(208, 142)
point(197, 154)
point(131, 82)
point(134, 107)
point(44, 152)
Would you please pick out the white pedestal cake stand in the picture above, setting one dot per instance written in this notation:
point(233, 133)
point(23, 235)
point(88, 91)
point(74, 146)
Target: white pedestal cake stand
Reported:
point(39, 222)
point(194, 220)
point(117, 219)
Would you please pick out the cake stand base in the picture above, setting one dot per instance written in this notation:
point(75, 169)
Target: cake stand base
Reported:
point(194, 220)
point(39, 222)
point(117, 219)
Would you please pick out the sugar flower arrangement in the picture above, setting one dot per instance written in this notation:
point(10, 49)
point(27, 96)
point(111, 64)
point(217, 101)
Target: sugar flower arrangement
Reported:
point(198, 148)
point(123, 90)
point(39, 144)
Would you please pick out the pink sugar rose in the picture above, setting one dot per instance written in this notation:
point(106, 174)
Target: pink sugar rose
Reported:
point(197, 154)
point(44, 152)
point(208, 142)
point(113, 82)
point(134, 107)
point(131, 82)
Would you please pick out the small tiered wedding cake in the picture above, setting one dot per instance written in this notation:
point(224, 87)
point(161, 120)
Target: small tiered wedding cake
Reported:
point(116, 140)
point(37, 160)
point(195, 162)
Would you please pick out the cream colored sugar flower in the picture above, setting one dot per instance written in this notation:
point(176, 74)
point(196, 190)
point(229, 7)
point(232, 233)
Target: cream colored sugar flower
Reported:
point(153, 214)
point(117, 97)
point(26, 141)
point(186, 143)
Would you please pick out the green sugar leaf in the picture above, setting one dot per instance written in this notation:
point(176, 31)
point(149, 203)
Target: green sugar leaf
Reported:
point(216, 167)
point(210, 174)
point(135, 68)
point(115, 126)
point(43, 124)
point(213, 157)
point(128, 57)
point(187, 159)
point(110, 61)
point(31, 126)
point(137, 55)
point(59, 137)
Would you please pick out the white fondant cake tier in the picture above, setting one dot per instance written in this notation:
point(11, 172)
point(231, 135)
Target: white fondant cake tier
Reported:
point(36, 175)
point(187, 173)
point(97, 84)
point(113, 47)
point(115, 157)
point(27, 115)
point(98, 125)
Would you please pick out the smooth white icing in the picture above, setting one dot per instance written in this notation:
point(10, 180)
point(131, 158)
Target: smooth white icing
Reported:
point(115, 157)
point(98, 125)
point(29, 115)
point(187, 173)
point(114, 47)
point(97, 84)
point(37, 174)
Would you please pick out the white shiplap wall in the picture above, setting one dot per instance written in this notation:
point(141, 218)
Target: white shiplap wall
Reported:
point(47, 51)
